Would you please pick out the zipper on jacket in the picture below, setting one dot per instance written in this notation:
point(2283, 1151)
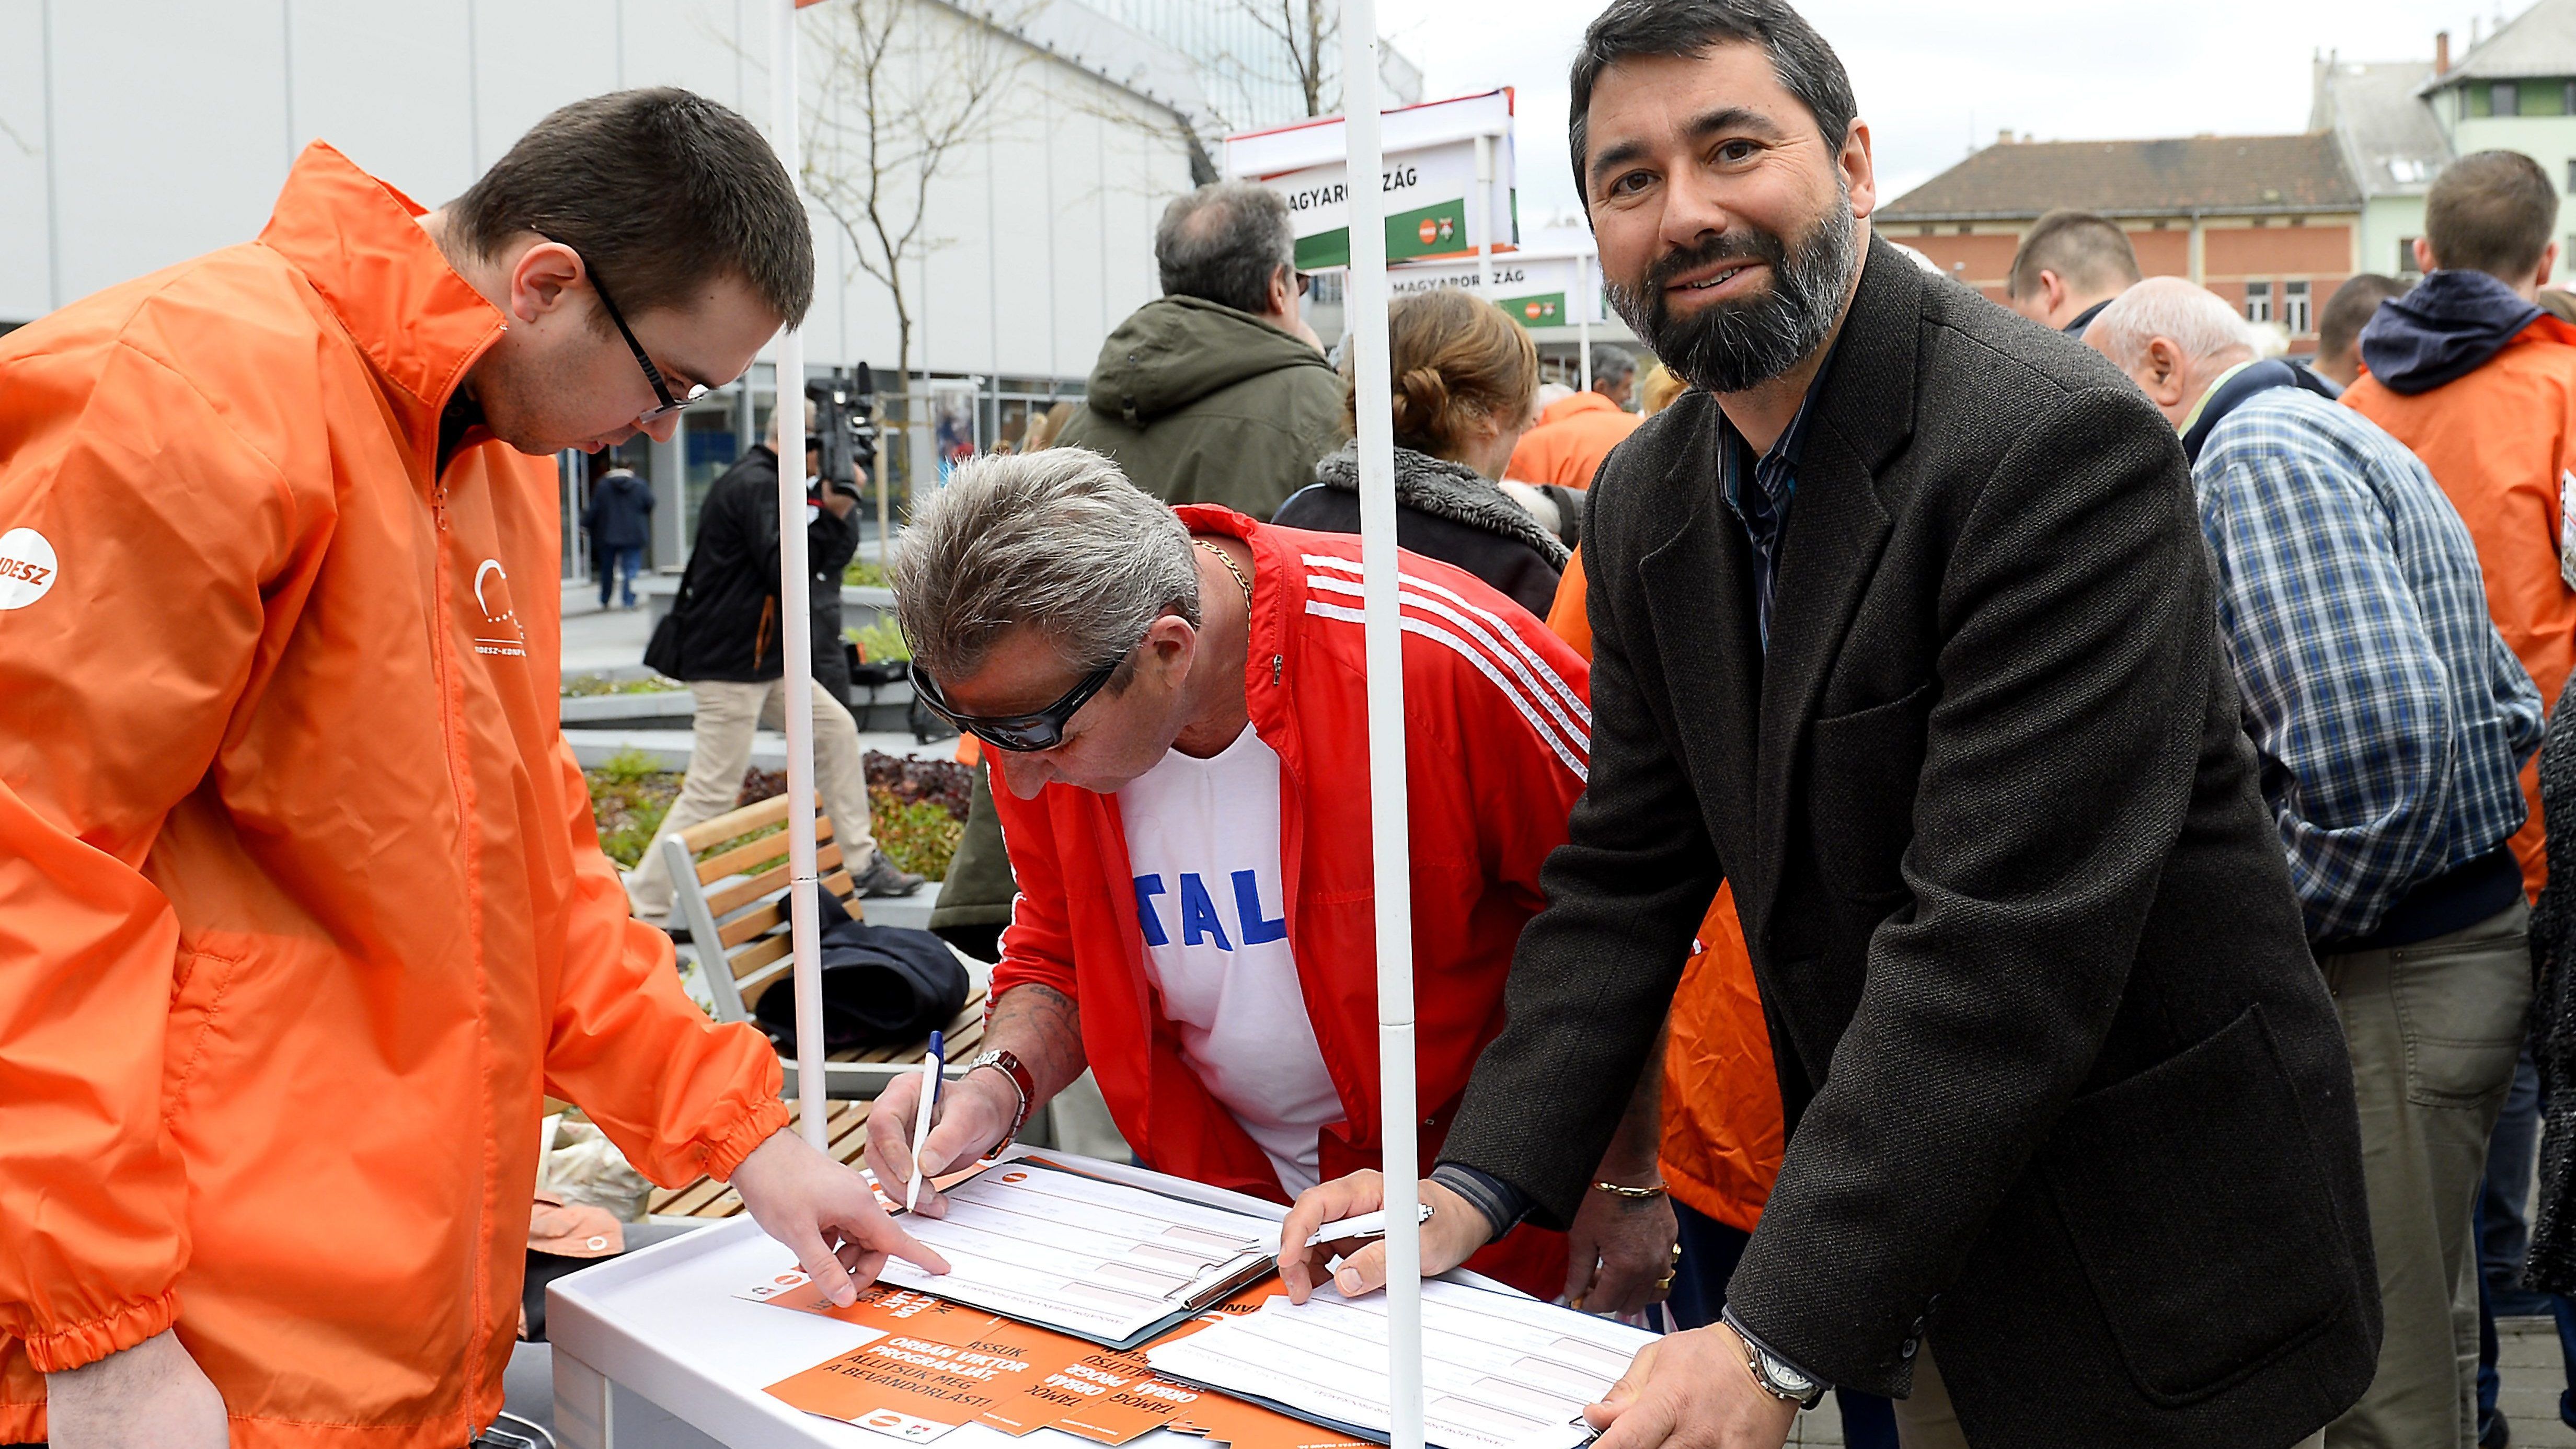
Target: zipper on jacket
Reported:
point(1274, 669)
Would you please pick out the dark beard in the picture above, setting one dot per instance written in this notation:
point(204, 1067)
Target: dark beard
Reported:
point(1733, 346)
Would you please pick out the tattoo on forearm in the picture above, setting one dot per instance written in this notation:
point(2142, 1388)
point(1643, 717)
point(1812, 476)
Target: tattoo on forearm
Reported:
point(1043, 1028)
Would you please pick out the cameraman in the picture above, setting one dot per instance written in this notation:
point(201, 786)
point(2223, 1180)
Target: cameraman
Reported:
point(723, 640)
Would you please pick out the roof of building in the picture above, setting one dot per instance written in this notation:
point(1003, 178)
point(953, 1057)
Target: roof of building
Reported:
point(2137, 178)
point(2541, 41)
point(2393, 145)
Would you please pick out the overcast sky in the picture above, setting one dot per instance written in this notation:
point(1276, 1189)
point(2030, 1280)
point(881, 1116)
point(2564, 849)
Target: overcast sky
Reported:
point(1932, 77)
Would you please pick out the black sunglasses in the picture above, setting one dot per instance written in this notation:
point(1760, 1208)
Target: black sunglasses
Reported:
point(652, 374)
point(1020, 733)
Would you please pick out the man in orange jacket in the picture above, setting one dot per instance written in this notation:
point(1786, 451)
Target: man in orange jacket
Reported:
point(301, 903)
point(1575, 433)
point(2481, 383)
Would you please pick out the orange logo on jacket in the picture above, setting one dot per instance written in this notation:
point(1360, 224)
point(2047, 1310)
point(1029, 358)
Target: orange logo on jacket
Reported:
point(500, 632)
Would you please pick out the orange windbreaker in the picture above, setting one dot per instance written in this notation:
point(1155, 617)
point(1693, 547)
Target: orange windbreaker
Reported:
point(1722, 1133)
point(1572, 437)
point(302, 912)
point(2502, 443)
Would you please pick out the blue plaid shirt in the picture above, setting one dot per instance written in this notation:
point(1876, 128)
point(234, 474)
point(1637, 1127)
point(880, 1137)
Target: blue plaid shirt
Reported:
point(2390, 717)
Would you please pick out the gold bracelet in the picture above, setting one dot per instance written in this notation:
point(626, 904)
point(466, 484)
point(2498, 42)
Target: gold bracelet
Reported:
point(1618, 1189)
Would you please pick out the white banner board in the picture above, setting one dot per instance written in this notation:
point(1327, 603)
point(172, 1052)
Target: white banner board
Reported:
point(1538, 291)
point(1427, 186)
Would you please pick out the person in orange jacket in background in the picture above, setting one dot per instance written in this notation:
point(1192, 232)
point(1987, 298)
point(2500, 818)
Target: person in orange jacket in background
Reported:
point(302, 907)
point(2470, 373)
point(1575, 433)
point(1720, 1094)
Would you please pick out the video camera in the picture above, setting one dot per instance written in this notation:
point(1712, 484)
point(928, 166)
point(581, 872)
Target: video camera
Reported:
point(845, 424)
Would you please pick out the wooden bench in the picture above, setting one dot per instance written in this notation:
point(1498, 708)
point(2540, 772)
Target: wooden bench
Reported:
point(735, 905)
point(740, 930)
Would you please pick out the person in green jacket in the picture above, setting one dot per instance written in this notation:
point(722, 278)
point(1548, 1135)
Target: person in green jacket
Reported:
point(1217, 391)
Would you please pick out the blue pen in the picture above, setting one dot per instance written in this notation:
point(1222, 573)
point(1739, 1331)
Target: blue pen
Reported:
point(930, 1086)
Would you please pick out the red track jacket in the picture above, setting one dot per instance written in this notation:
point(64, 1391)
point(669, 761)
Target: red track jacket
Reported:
point(1498, 736)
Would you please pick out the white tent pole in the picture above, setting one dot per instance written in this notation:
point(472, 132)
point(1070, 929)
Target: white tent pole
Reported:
point(1582, 300)
point(1482, 226)
point(796, 613)
point(1389, 845)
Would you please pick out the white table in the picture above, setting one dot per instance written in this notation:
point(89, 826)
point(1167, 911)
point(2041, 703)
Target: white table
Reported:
point(652, 1350)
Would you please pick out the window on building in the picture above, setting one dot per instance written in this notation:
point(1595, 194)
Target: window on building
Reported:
point(2571, 173)
point(2294, 308)
point(2505, 98)
point(2567, 98)
point(2406, 256)
point(2258, 301)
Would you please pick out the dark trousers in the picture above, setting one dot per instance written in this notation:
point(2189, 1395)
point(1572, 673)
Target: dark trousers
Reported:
point(1710, 1251)
point(613, 562)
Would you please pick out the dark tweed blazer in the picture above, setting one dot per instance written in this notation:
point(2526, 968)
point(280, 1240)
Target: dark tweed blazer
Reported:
point(2065, 1090)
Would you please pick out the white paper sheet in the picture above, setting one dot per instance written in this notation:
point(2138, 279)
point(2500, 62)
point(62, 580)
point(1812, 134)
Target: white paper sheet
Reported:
point(1499, 1371)
point(1068, 1252)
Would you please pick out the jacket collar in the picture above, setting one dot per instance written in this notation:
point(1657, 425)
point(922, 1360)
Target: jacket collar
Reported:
point(1278, 596)
point(359, 245)
point(2234, 387)
point(1454, 491)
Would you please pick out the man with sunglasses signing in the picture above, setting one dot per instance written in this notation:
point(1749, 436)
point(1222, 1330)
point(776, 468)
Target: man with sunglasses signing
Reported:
point(286, 820)
point(1176, 706)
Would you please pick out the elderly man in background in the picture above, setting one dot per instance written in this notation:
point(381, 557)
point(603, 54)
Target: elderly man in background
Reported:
point(2069, 267)
point(1576, 432)
point(1176, 711)
point(2392, 720)
point(1217, 391)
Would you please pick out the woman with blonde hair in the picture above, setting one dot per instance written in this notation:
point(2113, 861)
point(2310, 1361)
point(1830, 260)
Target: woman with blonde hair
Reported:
point(1466, 384)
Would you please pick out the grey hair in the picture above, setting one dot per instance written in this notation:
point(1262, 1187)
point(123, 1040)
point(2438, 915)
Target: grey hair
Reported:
point(1223, 243)
point(2192, 318)
point(1057, 541)
point(1609, 363)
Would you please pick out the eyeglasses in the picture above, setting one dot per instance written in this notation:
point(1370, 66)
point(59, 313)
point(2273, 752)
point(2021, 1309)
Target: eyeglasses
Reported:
point(1021, 733)
point(1305, 283)
point(652, 374)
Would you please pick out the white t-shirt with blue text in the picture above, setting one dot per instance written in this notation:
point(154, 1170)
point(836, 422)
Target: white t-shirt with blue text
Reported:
point(1203, 841)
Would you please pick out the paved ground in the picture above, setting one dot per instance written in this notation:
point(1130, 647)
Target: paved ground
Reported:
point(2534, 1375)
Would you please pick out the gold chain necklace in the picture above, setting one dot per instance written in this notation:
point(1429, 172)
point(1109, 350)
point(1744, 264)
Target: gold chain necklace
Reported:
point(1229, 568)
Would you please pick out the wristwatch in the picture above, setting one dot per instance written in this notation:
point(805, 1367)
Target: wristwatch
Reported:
point(1775, 1377)
point(1009, 1066)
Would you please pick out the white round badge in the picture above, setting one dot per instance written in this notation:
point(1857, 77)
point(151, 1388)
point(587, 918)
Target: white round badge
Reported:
point(26, 568)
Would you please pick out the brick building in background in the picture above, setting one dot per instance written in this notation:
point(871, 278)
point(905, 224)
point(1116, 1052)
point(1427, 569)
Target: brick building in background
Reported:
point(2276, 223)
point(2271, 223)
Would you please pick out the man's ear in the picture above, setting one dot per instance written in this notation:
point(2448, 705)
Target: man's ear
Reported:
point(2052, 292)
point(543, 278)
point(2164, 371)
point(1860, 170)
point(2548, 263)
point(2425, 261)
point(1283, 292)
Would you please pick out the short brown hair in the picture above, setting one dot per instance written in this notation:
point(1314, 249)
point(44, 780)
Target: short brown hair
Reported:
point(2089, 251)
point(2491, 212)
point(659, 190)
point(2350, 309)
point(1455, 360)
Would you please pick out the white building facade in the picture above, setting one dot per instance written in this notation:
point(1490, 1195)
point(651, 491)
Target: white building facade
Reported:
point(136, 135)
